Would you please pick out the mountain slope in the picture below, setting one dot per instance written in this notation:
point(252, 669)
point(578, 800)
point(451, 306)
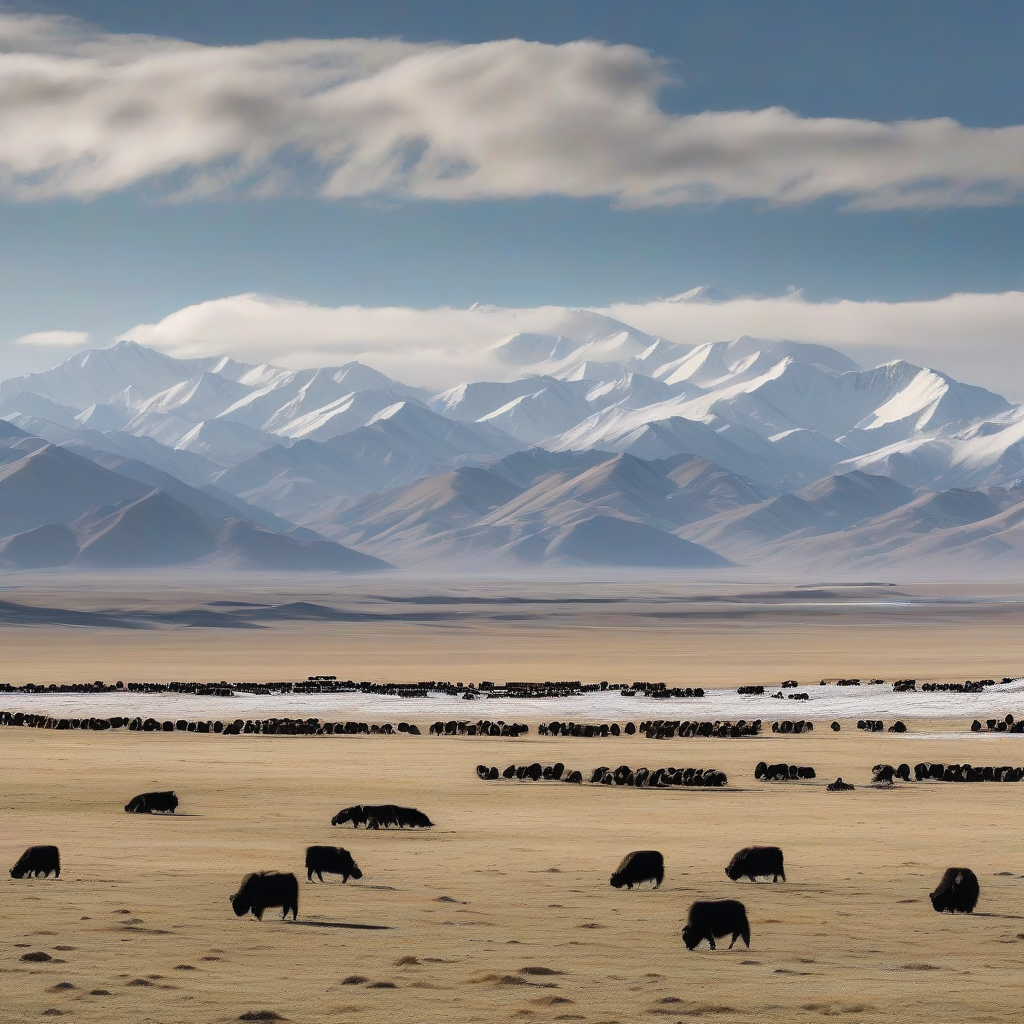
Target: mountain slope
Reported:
point(610, 541)
point(53, 485)
point(827, 506)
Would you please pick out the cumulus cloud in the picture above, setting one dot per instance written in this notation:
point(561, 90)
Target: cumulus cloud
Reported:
point(975, 337)
point(86, 113)
point(64, 339)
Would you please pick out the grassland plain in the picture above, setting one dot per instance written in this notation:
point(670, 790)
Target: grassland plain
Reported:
point(503, 912)
point(171, 625)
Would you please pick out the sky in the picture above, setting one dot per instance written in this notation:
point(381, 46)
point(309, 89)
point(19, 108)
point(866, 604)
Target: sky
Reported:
point(295, 180)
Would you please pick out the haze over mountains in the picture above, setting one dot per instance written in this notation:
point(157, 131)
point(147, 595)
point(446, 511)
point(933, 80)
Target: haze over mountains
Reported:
point(605, 446)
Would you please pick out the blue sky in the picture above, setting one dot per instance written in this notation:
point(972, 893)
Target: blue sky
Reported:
point(124, 255)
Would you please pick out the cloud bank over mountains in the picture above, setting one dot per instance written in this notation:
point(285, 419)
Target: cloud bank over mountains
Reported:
point(976, 337)
point(87, 112)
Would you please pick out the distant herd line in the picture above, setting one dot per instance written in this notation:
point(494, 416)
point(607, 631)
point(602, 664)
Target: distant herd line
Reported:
point(663, 778)
point(330, 684)
point(656, 729)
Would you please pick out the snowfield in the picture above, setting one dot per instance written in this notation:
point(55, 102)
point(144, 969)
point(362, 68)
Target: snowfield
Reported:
point(824, 704)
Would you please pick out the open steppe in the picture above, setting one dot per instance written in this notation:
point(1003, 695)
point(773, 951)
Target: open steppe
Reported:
point(464, 922)
point(399, 627)
point(503, 912)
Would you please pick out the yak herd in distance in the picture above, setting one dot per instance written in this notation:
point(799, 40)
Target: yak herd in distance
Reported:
point(957, 891)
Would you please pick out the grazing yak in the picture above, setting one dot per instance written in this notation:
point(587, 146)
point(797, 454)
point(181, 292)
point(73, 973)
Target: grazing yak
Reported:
point(147, 803)
point(38, 860)
point(382, 816)
point(839, 786)
point(714, 919)
point(335, 860)
point(264, 889)
point(957, 892)
point(639, 866)
point(755, 861)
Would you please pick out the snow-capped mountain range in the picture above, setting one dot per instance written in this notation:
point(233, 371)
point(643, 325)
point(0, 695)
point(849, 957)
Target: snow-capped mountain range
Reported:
point(603, 444)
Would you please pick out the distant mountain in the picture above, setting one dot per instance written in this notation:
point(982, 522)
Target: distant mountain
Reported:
point(53, 485)
point(609, 540)
point(157, 530)
point(58, 508)
point(761, 450)
point(99, 374)
point(827, 506)
point(490, 514)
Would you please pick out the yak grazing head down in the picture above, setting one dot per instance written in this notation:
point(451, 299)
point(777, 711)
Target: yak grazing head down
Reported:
point(348, 814)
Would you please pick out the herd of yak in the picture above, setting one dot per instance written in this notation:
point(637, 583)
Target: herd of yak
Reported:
point(707, 920)
point(654, 729)
point(622, 776)
point(957, 891)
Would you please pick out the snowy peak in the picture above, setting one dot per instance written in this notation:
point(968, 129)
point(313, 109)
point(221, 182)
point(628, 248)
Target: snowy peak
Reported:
point(99, 374)
point(702, 293)
point(197, 399)
point(931, 401)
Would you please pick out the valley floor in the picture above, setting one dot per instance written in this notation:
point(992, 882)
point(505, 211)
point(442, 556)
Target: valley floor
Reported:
point(503, 912)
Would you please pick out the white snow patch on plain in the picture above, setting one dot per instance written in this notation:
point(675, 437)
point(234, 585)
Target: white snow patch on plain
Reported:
point(824, 704)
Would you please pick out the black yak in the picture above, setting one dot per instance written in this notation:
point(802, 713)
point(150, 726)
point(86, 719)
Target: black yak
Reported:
point(839, 786)
point(38, 860)
point(755, 861)
point(957, 893)
point(147, 803)
point(335, 860)
point(264, 889)
point(639, 866)
point(714, 919)
point(382, 816)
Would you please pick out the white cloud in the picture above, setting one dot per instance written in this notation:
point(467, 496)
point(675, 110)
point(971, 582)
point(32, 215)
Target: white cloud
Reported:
point(65, 339)
point(976, 337)
point(86, 113)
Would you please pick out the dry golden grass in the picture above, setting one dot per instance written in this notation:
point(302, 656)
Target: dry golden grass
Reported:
point(512, 884)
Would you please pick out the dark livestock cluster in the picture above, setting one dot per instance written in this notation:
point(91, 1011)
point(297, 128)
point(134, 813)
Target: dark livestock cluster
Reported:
point(530, 773)
point(659, 777)
point(1006, 724)
point(871, 725)
point(585, 730)
point(238, 727)
point(966, 773)
point(786, 727)
point(374, 816)
point(967, 686)
point(764, 772)
point(481, 728)
point(887, 775)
